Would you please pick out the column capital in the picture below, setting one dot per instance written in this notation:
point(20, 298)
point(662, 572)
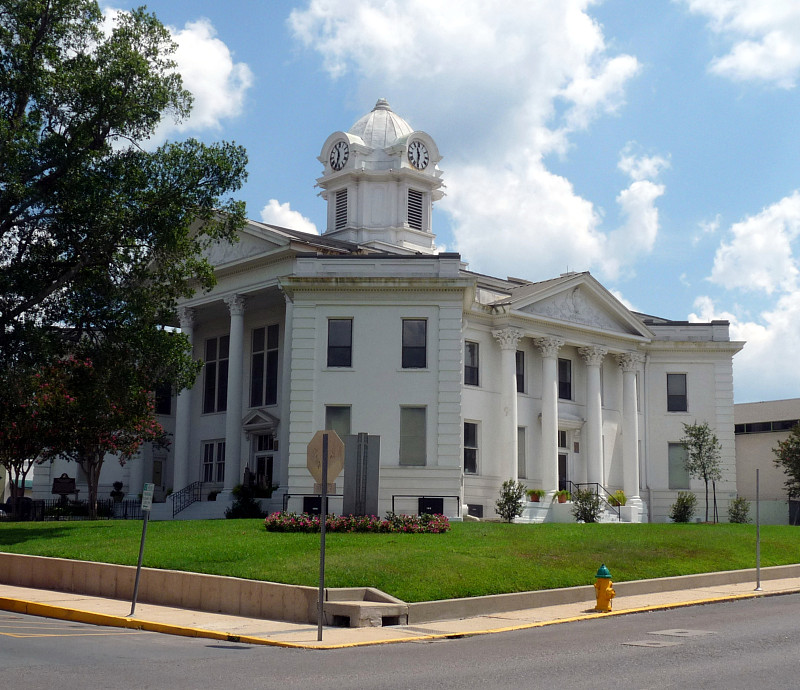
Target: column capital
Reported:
point(592, 355)
point(508, 337)
point(630, 361)
point(186, 317)
point(549, 347)
point(235, 304)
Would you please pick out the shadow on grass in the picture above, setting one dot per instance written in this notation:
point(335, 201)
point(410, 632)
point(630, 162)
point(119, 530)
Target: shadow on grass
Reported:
point(10, 536)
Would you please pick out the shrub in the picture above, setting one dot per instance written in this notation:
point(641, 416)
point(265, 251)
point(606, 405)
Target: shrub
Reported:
point(739, 510)
point(683, 508)
point(618, 498)
point(586, 505)
point(244, 504)
point(411, 524)
point(509, 505)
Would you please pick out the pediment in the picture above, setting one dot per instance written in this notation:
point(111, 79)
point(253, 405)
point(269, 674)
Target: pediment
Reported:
point(580, 301)
point(252, 242)
point(259, 420)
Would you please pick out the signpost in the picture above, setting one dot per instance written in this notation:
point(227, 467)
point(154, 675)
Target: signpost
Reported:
point(147, 504)
point(325, 460)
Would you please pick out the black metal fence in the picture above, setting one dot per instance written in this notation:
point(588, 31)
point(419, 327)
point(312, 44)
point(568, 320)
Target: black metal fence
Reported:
point(40, 510)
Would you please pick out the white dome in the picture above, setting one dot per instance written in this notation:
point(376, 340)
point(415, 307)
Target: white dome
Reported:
point(381, 127)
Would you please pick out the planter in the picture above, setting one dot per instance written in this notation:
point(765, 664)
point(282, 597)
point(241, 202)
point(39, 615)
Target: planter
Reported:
point(562, 499)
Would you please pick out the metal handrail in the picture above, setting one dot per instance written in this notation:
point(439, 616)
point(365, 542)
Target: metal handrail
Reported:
point(185, 497)
point(597, 489)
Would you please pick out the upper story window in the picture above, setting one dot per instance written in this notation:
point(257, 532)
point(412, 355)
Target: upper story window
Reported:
point(471, 354)
point(163, 399)
point(340, 342)
point(565, 379)
point(264, 369)
point(676, 393)
point(520, 371)
point(415, 343)
point(215, 387)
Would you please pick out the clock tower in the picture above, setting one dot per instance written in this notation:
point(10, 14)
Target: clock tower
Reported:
point(380, 181)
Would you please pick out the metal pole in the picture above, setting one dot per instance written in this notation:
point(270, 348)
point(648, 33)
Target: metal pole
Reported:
point(323, 518)
point(139, 564)
point(758, 540)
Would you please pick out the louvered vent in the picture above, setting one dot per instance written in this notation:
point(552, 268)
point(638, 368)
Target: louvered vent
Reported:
point(341, 209)
point(415, 209)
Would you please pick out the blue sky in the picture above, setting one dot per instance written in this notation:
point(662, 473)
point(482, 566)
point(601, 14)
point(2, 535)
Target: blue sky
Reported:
point(653, 143)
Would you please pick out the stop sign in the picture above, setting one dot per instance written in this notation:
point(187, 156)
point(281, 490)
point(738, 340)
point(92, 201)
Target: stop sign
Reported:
point(335, 456)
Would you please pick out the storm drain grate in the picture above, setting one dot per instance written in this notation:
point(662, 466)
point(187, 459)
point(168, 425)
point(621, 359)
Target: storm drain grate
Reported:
point(678, 632)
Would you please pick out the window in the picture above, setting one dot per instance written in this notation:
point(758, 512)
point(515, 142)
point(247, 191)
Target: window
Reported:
point(340, 220)
point(565, 379)
point(471, 363)
point(414, 343)
point(415, 209)
point(337, 418)
point(520, 371)
point(264, 369)
point(470, 448)
point(562, 438)
point(521, 471)
point(678, 476)
point(340, 342)
point(163, 399)
point(214, 461)
point(412, 436)
point(215, 390)
point(676, 393)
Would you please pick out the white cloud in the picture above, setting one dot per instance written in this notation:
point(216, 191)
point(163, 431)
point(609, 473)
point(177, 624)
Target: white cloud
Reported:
point(759, 257)
point(276, 213)
point(217, 83)
point(765, 38)
point(510, 83)
point(640, 167)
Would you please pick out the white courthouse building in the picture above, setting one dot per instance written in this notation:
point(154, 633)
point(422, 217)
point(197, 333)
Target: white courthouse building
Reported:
point(467, 379)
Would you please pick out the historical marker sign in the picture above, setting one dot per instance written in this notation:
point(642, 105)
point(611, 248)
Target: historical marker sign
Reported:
point(335, 456)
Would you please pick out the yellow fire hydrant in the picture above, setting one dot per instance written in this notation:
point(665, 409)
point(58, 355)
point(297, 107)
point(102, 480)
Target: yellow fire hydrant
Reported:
point(604, 589)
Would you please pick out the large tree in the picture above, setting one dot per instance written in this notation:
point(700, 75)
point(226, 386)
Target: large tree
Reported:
point(703, 454)
point(98, 233)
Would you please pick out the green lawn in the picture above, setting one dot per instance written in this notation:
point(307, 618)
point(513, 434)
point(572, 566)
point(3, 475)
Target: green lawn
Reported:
point(470, 560)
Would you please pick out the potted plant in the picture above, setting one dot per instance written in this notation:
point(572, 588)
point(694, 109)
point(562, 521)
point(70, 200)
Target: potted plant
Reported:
point(618, 498)
point(535, 495)
point(562, 496)
point(117, 493)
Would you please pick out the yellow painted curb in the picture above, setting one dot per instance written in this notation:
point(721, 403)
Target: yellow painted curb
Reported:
point(63, 613)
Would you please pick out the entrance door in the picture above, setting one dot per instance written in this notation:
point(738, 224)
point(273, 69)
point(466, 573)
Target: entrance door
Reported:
point(158, 472)
point(263, 470)
point(562, 471)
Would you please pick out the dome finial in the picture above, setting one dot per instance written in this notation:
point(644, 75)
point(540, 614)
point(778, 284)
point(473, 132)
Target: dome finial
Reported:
point(382, 104)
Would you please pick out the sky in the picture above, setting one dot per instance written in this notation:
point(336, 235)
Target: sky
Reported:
point(653, 143)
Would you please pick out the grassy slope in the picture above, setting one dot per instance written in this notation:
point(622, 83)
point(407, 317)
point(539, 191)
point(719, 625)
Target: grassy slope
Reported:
point(471, 560)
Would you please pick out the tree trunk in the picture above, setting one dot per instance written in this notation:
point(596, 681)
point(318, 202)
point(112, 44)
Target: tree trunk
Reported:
point(706, 500)
point(92, 465)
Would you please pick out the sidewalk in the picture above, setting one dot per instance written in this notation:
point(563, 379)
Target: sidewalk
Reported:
point(175, 621)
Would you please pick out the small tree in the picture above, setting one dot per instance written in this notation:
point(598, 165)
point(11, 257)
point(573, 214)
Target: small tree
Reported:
point(683, 508)
point(509, 505)
point(703, 454)
point(739, 510)
point(586, 505)
point(787, 457)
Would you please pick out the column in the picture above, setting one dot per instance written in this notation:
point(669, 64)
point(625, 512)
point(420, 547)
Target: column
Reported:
point(507, 438)
point(629, 362)
point(593, 358)
point(183, 410)
point(233, 417)
point(549, 452)
point(285, 397)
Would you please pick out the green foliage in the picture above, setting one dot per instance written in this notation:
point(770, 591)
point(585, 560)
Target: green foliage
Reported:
point(98, 234)
point(509, 505)
point(586, 506)
point(562, 493)
point(392, 523)
point(618, 498)
point(703, 454)
point(683, 508)
point(244, 504)
point(535, 494)
point(787, 457)
point(739, 510)
point(415, 567)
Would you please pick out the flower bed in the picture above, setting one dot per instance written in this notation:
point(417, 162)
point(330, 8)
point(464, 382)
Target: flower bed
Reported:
point(412, 524)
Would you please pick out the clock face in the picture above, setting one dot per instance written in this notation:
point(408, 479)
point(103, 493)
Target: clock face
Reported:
point(339, 155)
point(418, 155)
